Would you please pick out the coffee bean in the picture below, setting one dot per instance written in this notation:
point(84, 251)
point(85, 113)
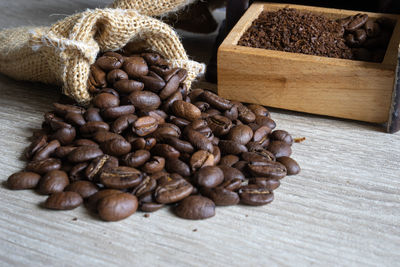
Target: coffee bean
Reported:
point(258, 157)
point(116, 147)
point(116, 207)
point(46, 150)
point(94, 199)
point(185, 110)
point(173, 191)
point(155, 164)
point(258, 110)
point(153, 83)
point(231, 173)
point(120, 177)
point(291, 165)
point(219, 125)
point(216, 154)
point(116, 75)
point(75, 119)
point(63, 201)
point(240, 134)
point(91, 127)
point(77, 172)
point(216, 101)
point(36, 145)
point(97, 79)
point(231, 147)
point(145, 125)
point(171, 87)
point(62, 109)
point(195, 208)
point(115, 112)
point(280, 149)
point(245, 114)
point(92, 114)
point(199, 141)
point(122, 123)
point(281, 135)
point(23, 180)
point(229, 160)
point(201, 159)
point(255, 195)
point(209, 176)
point(175, 165)
point(232, 185)
point(166, 106)
point(145, 100)
point(84, 153)
point(221, 196)
point(137, 158)
point(179, 144)
point(267, 183)
point(148, 184)
point(128, 86)
point(84, 188)
point(64, 135)
point(272, 169)
point(150, 206)
point(105, 100)
point(44, 166)
point(52, 182)
point(96, 165)
point(110, 61)
point(135, 67)
point(357, 22)
point(232, 113)
point(102, 136)
point(165, 151)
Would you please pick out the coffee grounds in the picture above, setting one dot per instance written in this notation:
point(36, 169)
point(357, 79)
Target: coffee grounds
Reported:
point(291, 31)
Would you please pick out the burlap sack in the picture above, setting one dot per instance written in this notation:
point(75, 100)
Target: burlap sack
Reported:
point(62, 54)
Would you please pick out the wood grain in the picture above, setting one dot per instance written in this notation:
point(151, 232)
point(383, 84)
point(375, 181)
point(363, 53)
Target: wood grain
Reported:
point(319, 85)
point(342, 209)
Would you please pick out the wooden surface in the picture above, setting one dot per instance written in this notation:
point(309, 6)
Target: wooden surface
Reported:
point(342, 209)
point(319, 85)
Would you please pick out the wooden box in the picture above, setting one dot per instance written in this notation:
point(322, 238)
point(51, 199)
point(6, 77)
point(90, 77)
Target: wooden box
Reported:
point(343, 88)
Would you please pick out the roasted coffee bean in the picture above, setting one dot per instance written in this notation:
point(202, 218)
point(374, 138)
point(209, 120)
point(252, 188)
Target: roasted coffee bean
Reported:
point(179, 144)
point(46, 150)
point(231, 147)
point(105, 100)
point(221, 196)
point(142, 143)
point(265, 156)
point(199, 141)
point(93, 114)
point(209, 176)
point(94, 199)
point(255, 195)
point(232, 185)
point(122, 123)
point(165, 132)
point(84, 188)
point(75, 119)
point(232, 113)
point(240, 134)
point(229, 160)
point(52, 182)
point(96, 165)
point(167, 104)
point(77, 172)
point(272, 169)
point(121, 177)
point(291, 165)
point(153, 83)
point(203, 106)
point(217, 155)
point(181, 123)
point(265, 121)
point(171, 87)
point(216, 101)
point(245, 114)
point(97, 79)
point(116, 147)
point(44, 166)
point(36, 145)
point(63, 201)
point(116, 207)
point(109, 91)
point(281, 135)
point(116, 75)
point(231, 173)
point(62, 109)
point(145, 125)
point(135, 67)
point(114, 112)
point(137, 158)
point(260, 135)
point(128, 86)
point(64, 135)
point(165, 151)
point(172, 191)
point(102, 136)
point(145, 100)
point(91, 127)
point(280, 149)
point(259, 110)
point(195, 208)
point(357, 22)
point(148, 184)
point(157, 114)
point(175, 165)
point(110, 61)
point(84, 153)
point(185, 110)
point(269, 184)
point(219, 125)
point(23, 180)
point(150, 206)
point(155, 164)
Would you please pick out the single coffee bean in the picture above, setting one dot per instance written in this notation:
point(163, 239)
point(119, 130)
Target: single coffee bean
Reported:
point(91, 127)
point(122, 123)
point(194, 95)
point(185, 110)
point(265, 121)
point(36, 145)
point(92, 114)
point(179, 144)
point(77, 172)
point(98, 164)
point(148, 184)
point(104, 136)
point(116, 147)
point(135, 67)
point(216, 154)
point(44, 166)
point(209, 176)
point(153, 83)
point(170, 88)
point(241, 165)
point(165, 132)
point(110, 61)
point(75, 119)
point(260, 135)
point(167, 104)
point(166, 151)
point(229, 160)
point(231, 173)
point(97, 79)
point(105, 100)
point(232, 113)
point(172, 191)
point(120, 177)
point(116, 75)
point(63, 201)
point(357, 22)
point(137, 158)
point(62, 109)
point(291, 165)
point(221, 196)
point(262, 152)
point(267, 183)
point(84, 188)
point(142, 143)
point(272, 169)
point(195, 208)
point(232, 185)
point(281, 135)
point(155, 164)
point(128, 86)
point(231, 147)
point(175, 165)
point(84, 153)
point(240, 134)
point(201, 159)
point(145, 100)
point(219, 125)
point(53, 181)
point(280, 149)
point(255, 195)
point(259, 110)
point(113, 113)
point(145, 125)
point(46, 150)
point(203, 106)
point(181, 123)
point(150, 206)
point(216, 101)
point(23, 180)
point(199, 141)
point(94, 199)
point(245, 114)
point(64, 135)
point(116, 207)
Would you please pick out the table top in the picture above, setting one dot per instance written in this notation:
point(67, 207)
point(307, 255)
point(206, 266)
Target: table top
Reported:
point(342, 209)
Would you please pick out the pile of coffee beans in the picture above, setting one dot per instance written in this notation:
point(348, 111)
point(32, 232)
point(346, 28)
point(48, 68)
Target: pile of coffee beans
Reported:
point(146, 142)
point(355, 37)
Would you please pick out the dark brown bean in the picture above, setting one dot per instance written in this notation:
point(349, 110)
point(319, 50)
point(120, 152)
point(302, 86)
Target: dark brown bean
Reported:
point(200, 159)
point(62, 109)
point(105, 100)
point(75, 119)
point(44, 166)
point(110, 61)
point(84, 188)
point(185, 110)
point(291, 165)
point(77, 172)
point(229, 160)
point(241, 134)
point(166, 151)
point(155, 164)
point(96, 165)
point(281, 135)
point(91, 127)
point(116, 147)
point(231, 173)
point(148, 184)
point(258, 110)
point(145, 125)
point(179, 144)
point(135, 67)
point(137, 158)
point(231, 147)
point(97, 79)
point(219, 125)
point(114, 112)
point(171, 87)
point(84, 153)
point(36, 145)
point(267, 183)
point(128, 86)
point(216, 101)
point(122, 123)
point(102, 136)
point(121, 177)
point(23, 180)
point(173, 191)
point(63, 201)
point(221, 196)
point(255, 195)
point(116, 75)
point(94, 199)
point(52, 182)
point(209, 176)
point(93, 114)
point(46, 150)
point(199, 141)
point(272, 169)
point(195, 208)
point(145, 100)
point(175, 165)
point(116, 207)
point(280, 149)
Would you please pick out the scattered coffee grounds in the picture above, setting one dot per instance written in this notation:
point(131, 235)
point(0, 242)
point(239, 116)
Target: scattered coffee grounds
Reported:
point(146, 142)
point(355, 37)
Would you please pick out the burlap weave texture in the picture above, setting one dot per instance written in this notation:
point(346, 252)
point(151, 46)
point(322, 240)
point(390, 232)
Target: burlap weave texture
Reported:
point(62, 53)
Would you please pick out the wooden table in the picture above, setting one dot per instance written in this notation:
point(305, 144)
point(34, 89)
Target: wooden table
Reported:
point(342, 209)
